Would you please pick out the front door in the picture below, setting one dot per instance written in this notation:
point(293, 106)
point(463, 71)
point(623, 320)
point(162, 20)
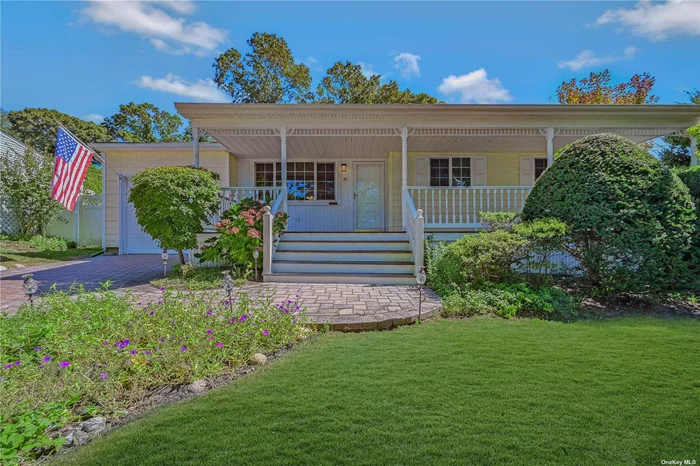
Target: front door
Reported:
point(369, 195)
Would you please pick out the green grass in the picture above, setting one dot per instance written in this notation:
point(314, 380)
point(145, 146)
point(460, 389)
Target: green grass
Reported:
point(199, 279)
point(15, 254)
point(477, 391)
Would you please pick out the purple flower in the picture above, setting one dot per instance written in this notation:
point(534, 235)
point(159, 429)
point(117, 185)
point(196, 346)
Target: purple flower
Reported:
point(209, 332)
point(105, 342)
point(103, 375)
point(133, 351)
point(64, 364)
point(9, 366)
point(233, 320)
point(17, 363)
point(38, 348)
point(46, 359)
point(151, 313)
point(86, 317)
point(209, 313)
point(210, 338)
point(122, 344)
point(220, 345)
point(226, 303)
point(266, 332)
point(184, 348)
point(147, 352)
point(242, 318)
point(162, 289)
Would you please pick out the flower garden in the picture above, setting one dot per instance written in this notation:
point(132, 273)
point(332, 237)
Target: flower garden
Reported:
point(72, 358)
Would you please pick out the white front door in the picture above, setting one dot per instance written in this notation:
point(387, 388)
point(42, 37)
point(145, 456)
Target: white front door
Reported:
point(369, 195)
point(136, 241)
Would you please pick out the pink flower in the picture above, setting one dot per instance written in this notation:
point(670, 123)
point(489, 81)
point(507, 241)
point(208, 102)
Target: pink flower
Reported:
point(209, 332)
point(225, 222)
point(250, 222)
point(219, 224)
point(266, 332)
point(244, 214)
point(220, 345)
point(280, 214)
point(235, 230)
point(253, 233)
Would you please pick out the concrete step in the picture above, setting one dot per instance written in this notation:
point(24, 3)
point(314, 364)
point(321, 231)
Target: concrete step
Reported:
point(343, 256)
point(344, 236)
point(348, 267)
point(353, 278)
point(333, 245)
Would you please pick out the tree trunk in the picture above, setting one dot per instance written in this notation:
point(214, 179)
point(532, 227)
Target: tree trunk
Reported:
point(181, 256)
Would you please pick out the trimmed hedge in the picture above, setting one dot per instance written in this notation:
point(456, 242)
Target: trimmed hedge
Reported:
point(690, 176)
point(632, 220)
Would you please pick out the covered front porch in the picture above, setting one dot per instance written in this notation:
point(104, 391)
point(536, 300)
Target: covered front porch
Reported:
point(404, 168)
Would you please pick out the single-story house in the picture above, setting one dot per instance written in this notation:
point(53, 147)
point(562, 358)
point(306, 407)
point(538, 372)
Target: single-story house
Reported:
point(363, 184)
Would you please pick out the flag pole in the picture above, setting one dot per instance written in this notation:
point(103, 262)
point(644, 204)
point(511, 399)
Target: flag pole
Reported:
point(94, 152)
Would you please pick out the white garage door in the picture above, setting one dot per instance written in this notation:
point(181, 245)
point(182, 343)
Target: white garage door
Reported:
point(136, 241)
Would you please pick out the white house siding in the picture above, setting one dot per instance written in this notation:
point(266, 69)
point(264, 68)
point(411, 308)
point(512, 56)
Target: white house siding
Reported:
point(9, 148)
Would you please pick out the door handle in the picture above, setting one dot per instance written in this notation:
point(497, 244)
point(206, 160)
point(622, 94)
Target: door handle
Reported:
point(354, 195)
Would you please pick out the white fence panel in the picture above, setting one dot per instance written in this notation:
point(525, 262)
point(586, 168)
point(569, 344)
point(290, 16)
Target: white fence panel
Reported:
point(83, 225)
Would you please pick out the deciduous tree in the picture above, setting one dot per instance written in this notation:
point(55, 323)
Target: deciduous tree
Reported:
point(597, 88)
point(144, 123)
point(675, 151)
point(266, 74)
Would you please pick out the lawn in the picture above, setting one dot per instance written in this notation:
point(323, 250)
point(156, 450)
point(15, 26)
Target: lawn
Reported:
point(15, 254)
point(477, 391)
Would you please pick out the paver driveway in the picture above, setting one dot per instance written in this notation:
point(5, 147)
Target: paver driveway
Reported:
point(124, 271)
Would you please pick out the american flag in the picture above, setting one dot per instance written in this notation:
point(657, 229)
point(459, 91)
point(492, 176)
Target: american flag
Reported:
point(72, 162)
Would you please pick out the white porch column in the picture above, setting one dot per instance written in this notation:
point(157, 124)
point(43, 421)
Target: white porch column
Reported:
point(267, 240)
point(404, 174)
point(283, 160)
point(693, 151)
point(195, 146)
point(550, 146)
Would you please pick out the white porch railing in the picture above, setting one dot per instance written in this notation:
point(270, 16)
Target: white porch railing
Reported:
point(415, 230)
point(269, 239)
point(449, 207)
point(233, 195)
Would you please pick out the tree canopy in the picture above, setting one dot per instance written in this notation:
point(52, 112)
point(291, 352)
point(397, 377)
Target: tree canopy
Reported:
point(597, 88)
point(268, 73)
point(144, 123)
point(345, 83)
point(37, 127)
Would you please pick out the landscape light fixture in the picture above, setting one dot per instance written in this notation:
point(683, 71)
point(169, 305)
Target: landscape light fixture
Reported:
point(228, 287)
point(30, 287)
point(420, 279)
point(256, 254)
point(164, 256)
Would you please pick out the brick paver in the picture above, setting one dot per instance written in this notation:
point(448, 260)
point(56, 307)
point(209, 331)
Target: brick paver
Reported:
point(344, 307)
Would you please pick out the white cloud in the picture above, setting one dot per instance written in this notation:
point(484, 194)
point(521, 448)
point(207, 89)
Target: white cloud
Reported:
point(407, 63)
point(588, 58)
point(310, 61)
point(657, 21)
point(367, 69)
point(204, 90)
point(166, 33)
point(94, 117)
point(475, 87)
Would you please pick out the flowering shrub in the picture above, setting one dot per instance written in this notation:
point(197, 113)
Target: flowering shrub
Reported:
point(100, 353)
point(240, 233)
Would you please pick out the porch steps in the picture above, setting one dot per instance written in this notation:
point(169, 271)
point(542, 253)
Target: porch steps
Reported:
point(367, 258)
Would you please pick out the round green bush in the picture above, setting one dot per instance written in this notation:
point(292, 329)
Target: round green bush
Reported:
point(632, 219)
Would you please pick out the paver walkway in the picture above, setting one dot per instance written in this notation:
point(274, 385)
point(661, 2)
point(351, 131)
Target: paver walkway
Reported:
point(345, 307)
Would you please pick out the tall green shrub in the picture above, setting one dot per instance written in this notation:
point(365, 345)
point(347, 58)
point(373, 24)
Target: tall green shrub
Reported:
point(172, 203)
point(631, 219)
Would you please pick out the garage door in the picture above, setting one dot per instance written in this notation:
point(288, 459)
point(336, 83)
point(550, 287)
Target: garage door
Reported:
point(136, 241)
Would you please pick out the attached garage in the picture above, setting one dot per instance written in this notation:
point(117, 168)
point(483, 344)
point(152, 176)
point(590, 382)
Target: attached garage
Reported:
point(122, 232)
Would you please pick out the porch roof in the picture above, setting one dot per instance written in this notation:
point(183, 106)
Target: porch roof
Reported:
point(318, 131)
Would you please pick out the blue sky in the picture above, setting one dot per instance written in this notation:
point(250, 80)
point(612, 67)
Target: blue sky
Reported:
point(85, 58)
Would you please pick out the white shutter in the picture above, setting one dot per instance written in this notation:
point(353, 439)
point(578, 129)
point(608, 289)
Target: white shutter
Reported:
point(422, 171)
point(527, 171)
point(479, 171)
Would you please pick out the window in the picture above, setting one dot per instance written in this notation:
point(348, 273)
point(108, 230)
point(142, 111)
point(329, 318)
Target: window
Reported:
point(453, 171)
point(540, 166)
point(306, 181)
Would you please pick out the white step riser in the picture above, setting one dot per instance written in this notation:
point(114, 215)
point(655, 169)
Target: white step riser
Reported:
point(355, 256)
point(330, 267)
point(350, 279)
point(345, 236)
point(341, 246)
